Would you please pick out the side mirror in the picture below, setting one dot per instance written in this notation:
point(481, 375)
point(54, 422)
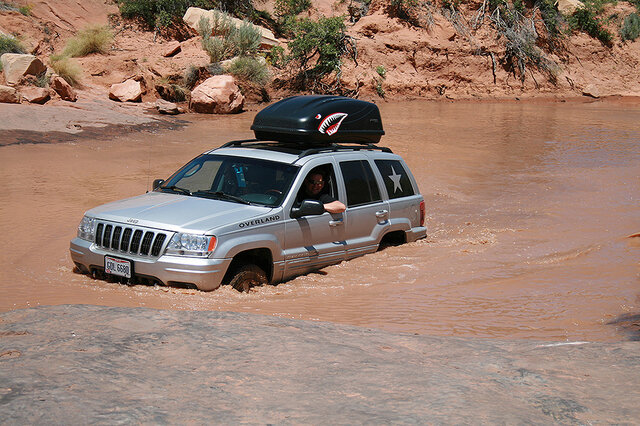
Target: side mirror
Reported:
point(157, 183)
point(307, 208)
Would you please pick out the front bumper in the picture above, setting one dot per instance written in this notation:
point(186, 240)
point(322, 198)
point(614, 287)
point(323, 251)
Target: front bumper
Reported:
point(206, 274)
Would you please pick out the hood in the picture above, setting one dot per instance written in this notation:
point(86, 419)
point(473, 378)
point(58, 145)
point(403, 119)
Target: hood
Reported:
point(176, 212)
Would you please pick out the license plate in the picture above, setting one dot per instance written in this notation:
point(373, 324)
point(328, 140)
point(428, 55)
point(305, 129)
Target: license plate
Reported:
point(119, 267)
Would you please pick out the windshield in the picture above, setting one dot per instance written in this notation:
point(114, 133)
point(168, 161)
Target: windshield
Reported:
point(234, 179)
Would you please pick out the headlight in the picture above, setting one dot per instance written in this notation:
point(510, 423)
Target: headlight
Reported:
point(87, 228)
point(191, 245)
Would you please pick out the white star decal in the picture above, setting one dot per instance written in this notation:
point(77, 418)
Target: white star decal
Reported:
point(396, 180)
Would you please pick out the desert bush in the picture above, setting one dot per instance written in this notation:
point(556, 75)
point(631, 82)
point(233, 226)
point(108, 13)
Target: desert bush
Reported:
point(162, 13)
point(246, 39)
point(25, 10)
point(249, 69)
point(631, 27)
point(191, 76)
point(10, 44)
point(276, 57)
point(66, 68)
point(291, 7)
point(93, 39)
point(228, 40)
point(42, 80)
point(586, 19)
point(318, 46)
point(416, 12)
point(217, 47)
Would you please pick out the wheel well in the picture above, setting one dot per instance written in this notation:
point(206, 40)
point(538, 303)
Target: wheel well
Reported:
point(394, 238)
point(261, 257)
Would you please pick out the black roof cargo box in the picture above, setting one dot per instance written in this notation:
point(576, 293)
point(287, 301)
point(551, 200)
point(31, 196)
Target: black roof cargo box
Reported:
point(319, 120)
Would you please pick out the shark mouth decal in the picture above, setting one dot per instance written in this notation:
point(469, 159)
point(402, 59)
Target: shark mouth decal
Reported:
point(331, 123)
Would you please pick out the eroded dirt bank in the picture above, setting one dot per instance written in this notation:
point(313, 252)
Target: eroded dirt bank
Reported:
point(529, 211)
point(88, 364)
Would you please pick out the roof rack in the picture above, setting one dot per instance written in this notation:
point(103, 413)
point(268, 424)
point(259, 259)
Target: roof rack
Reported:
point(238, 143)
point(342, 147)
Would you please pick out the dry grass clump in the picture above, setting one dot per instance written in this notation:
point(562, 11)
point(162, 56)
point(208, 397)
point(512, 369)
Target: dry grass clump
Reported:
point(93, 39)
point(67, 69)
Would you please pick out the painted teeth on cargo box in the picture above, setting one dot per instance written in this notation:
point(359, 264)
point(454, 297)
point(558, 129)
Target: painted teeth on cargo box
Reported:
point(331, 123)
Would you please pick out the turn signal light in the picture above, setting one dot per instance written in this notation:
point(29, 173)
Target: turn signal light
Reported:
point(422, 214)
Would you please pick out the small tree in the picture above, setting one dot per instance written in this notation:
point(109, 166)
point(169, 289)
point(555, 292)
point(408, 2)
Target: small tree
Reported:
point(318, 47)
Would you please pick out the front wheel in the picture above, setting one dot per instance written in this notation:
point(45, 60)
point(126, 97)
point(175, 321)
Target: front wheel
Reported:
point(248, 276)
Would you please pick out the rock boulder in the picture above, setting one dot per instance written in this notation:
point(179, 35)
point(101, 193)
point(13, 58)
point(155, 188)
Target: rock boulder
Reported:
point(128, 91)
point(35, 95)
point(171, 49)
point(217, 95)
point(592, 91)
point(63, 89)
point(165, 107)
point(9, 95)
point(567, 7)
point(16, 66)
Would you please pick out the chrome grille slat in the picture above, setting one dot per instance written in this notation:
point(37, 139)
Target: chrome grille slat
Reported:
point(135, 241)
point(146, 243)
point(157, 244)
point(126, 238)
point(115, 240)
point(130, 240)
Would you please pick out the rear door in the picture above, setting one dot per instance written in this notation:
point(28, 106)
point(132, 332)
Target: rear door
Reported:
point(367, 214)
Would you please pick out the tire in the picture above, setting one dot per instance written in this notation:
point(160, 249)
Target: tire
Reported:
point(248, 276)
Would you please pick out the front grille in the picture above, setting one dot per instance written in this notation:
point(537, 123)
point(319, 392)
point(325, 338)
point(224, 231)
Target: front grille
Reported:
point(130, 240)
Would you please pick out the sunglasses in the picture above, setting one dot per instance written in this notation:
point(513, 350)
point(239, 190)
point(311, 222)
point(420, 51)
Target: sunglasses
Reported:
point(315, 182)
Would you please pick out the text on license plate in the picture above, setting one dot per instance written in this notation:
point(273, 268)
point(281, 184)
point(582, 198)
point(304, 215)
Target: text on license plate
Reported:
point(119, 267)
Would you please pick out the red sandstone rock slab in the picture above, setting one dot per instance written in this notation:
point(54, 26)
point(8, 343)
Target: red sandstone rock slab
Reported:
point(89, 364)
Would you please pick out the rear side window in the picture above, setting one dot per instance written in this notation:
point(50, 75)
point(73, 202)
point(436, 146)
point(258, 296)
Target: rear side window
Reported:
point(395, 178)
point(360, 183)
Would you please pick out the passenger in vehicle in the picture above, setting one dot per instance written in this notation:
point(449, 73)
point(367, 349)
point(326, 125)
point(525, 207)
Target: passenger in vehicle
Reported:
point(314, 189)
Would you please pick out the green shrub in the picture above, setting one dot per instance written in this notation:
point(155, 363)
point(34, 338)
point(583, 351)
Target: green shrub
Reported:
point(249, 69)
point(228, 40)
point(93, 39)
point(276, 57)
point(162, 13)
point(631, 27)
point(382, 72)
point(66, 68)
point(245, 39)
point(291, 7)
point(42, 80)
point(9, 44)
point(318, 46)
point(586, 19)
point(191, 76)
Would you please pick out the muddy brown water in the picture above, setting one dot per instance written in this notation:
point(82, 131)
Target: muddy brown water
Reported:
point(530, 209)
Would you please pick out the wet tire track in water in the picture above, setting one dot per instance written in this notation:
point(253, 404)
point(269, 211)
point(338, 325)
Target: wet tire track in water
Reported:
point(529, 206)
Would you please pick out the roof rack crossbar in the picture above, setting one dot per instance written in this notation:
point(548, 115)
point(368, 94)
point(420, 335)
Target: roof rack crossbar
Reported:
point(238, 142)
point(338, 147)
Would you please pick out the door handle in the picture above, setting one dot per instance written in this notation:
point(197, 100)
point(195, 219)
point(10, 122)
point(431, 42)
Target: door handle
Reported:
point(336, 222)
point(382, 214)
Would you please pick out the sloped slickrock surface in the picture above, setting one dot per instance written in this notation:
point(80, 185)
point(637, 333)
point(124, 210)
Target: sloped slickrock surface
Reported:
point(87, 364)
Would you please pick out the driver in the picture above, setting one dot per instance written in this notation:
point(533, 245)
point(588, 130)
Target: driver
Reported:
point(313, 188)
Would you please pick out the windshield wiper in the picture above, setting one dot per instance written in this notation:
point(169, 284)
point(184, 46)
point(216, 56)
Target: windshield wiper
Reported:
point(178, 189)
point(222, 196)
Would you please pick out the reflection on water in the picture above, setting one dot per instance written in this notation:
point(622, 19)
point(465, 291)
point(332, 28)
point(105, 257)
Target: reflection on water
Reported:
point(529, 210)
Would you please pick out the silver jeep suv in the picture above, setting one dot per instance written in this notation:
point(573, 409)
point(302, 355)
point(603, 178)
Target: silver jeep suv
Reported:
point(239, 215)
